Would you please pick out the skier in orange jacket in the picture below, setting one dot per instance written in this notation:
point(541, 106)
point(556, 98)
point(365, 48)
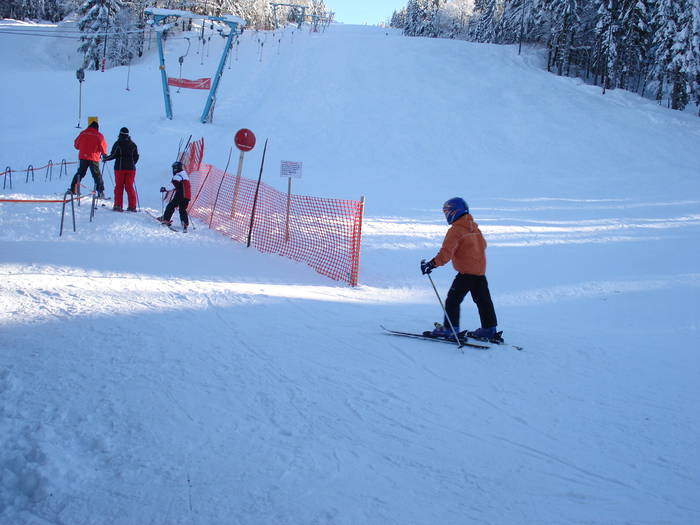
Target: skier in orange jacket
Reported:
point(465, 246)
point(91, 146)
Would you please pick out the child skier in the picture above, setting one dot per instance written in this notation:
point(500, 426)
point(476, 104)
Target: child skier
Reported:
point(181, 198)
point(465, 246)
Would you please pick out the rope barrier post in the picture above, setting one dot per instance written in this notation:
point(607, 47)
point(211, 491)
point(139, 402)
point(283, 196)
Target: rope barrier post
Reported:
point(93, 206)
point(29, 168)
point(8, 171)
point(63, 211)
point(72, 211)
point(255, 197)
point(63, 167)
point(49, 171)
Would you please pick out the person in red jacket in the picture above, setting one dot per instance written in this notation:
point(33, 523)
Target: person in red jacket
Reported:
point(181, 198)
point(465, 246)
point(91, 146)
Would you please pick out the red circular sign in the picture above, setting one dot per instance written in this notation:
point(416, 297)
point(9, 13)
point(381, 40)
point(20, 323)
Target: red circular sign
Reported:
point(244, 139)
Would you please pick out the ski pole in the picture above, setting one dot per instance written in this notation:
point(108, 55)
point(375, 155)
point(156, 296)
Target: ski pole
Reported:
point(449, 321)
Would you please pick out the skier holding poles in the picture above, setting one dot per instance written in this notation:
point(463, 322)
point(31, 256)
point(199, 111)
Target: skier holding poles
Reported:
point(465, 246)
point(182, 194)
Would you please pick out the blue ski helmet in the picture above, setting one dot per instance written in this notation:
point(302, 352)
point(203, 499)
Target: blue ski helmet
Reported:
point(454, 209)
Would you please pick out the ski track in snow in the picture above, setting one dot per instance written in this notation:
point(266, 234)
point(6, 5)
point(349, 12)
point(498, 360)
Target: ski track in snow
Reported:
point(153, 377)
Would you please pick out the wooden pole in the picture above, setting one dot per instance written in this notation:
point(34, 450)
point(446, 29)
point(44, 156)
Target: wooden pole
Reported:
point(237, 184)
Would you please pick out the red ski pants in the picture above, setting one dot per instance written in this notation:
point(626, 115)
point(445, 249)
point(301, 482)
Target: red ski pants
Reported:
point(124, 180)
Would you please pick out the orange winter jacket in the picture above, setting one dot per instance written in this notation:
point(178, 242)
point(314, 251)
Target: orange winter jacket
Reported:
point(465, 246)
point(90, 145)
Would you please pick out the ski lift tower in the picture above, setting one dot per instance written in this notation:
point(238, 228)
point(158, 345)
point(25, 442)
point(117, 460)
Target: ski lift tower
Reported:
point(159, 16)
point(295, 7)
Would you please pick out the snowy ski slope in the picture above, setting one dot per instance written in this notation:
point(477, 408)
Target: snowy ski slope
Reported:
point(153, 377)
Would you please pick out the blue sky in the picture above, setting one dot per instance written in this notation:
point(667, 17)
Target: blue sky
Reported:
point(364, 11)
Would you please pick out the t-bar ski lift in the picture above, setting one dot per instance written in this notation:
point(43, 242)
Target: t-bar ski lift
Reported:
point(159, 15)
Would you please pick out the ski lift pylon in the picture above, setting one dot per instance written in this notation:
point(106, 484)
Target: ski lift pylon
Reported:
point(159, 16)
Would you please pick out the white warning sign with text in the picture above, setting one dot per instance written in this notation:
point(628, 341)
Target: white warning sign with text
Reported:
point(290, 169)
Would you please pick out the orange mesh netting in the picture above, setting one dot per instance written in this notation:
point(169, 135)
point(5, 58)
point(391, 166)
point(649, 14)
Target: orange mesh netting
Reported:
point(323, 233)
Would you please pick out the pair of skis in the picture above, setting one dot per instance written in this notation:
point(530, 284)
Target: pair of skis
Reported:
point(170, 226)
point(464, 340)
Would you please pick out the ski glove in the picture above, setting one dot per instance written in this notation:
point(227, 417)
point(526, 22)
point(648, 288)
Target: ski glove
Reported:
point(427, 267)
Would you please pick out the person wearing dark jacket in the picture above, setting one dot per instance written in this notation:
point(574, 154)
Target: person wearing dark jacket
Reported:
point(125, 155)
point(91, 146)
point(182, 193)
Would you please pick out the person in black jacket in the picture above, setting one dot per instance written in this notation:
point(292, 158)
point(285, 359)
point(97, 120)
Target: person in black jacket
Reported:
point(126, 155)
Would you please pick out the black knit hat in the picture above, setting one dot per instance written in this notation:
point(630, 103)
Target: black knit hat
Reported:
point(124, 131)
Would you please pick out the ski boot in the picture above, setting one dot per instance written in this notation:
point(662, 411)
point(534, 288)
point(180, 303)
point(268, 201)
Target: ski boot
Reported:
point(486, 334)
point(441, 331)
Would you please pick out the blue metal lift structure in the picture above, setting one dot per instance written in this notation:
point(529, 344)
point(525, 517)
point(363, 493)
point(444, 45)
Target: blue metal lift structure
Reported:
point(159, 15)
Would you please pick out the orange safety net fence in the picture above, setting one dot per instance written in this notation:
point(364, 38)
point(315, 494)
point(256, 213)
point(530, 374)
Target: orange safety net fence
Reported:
point(323, 233)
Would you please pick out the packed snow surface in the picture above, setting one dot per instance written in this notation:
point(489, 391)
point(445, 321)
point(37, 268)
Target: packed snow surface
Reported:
point(148, 376)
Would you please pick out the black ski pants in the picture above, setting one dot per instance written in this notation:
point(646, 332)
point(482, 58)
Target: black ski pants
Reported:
point(181, 204)
point(463, 284)
point(82, 170)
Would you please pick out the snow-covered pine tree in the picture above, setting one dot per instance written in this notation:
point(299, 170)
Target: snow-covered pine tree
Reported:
point(484, 27)
point(456, 13)
point(693, 53)
point(413, 18)
point(539, 30)
point(99, 18)
point(398, 19)
point(52, 10)
point(681, 56)
point(511, 24)
point(606, 40)
point(665, 28)
point(565, 24)
point(435, 19)
point(634, 40)
point(121, 44)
